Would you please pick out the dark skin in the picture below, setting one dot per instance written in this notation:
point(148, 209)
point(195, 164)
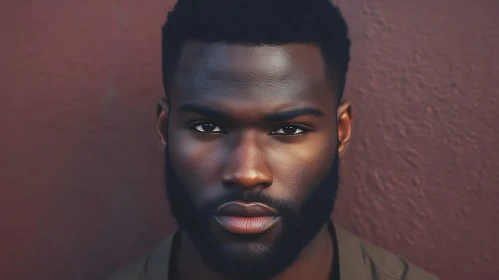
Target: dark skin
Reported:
point(251, 117)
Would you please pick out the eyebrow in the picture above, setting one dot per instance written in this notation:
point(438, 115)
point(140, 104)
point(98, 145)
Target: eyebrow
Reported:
point(293, 113)
point(272, 117)
point(202, 110)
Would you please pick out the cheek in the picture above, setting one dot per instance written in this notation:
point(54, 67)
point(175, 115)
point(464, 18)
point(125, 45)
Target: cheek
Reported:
point(299, 169)
point(196, 163)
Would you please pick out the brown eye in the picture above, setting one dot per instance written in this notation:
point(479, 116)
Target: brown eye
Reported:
point(207, 128)
point(289, 130)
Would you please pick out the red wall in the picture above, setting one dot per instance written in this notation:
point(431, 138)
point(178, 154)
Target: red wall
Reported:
point(81, 171)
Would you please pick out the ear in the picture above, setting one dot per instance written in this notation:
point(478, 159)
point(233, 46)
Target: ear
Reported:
point(162, 110)
point(344, 118)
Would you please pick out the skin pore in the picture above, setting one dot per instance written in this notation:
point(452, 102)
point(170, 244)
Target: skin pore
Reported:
point(253, 123)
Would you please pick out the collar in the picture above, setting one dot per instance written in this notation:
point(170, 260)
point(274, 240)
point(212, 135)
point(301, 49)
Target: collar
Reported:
point(352, 264)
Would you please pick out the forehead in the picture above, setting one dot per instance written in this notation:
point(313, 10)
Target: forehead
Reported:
point(262, 74)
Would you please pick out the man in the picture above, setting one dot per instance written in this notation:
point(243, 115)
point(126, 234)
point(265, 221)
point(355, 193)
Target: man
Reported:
point(253, 125)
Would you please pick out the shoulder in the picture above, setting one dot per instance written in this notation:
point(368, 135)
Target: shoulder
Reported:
point(392, 266)
point(151, 266)
point(382, 264)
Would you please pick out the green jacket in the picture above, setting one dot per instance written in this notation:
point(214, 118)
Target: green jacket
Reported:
point(359, 260)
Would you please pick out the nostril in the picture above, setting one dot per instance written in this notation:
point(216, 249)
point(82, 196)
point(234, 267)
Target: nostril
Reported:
point(252, 180)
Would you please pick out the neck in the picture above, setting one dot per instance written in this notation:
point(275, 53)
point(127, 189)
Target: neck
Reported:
point(314, 262)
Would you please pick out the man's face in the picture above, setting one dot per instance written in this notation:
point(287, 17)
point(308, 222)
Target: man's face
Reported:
point(251, 153)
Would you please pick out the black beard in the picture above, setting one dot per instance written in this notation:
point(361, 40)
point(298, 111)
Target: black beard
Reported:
point(300, 226)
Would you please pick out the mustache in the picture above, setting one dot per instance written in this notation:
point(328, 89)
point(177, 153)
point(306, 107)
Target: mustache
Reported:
point(283, 207)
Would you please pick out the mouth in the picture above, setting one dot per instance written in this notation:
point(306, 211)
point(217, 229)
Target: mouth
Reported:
point(246, 218)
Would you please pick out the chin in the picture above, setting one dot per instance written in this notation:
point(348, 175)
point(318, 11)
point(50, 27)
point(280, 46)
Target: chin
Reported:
point(246, 251)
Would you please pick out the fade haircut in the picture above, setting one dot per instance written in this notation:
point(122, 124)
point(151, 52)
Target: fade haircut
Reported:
point(255, 23)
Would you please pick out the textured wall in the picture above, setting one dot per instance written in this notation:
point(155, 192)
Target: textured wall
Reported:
point(80, 168)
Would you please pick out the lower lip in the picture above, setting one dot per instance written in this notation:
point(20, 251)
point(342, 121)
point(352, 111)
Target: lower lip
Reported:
point(246, 225)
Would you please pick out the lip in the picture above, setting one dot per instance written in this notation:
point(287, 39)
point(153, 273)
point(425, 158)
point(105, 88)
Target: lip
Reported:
point(246, 218)
point(245, 209)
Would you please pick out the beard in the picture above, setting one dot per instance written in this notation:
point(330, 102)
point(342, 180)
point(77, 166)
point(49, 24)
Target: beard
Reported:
point(300, 225)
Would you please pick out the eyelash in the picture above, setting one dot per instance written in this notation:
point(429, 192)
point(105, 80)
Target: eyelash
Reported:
point(305, 129)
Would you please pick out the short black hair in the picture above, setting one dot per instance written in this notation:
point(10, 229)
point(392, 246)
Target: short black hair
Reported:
point(258, 22)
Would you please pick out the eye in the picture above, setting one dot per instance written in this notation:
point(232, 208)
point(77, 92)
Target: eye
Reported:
point(207, 127)
point(290, 130)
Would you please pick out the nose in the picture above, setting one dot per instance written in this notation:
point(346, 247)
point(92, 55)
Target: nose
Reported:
point(246, 166)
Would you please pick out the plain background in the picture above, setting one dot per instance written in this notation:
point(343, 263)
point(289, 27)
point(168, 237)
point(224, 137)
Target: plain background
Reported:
point(81, 170)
